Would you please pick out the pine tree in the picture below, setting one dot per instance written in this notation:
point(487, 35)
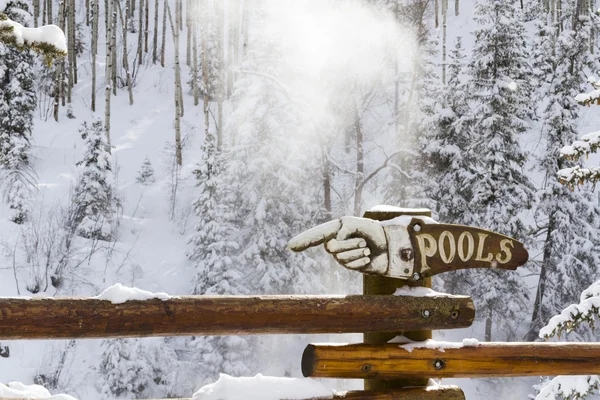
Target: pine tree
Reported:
point(17, 104)
point(93, 214)
point(146, 173)
point(124, 371)
point(571, 218)
point(499, 94)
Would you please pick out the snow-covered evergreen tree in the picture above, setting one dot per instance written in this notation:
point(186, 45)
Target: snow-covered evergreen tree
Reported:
point(146, 173)
point(17, 105)
point(94, 201)
point(124, 372)
point(571, 219)
point(449, 160)
point(499, 95)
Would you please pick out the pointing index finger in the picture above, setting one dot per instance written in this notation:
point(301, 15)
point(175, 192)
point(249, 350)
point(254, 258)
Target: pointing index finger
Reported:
point(315, 236)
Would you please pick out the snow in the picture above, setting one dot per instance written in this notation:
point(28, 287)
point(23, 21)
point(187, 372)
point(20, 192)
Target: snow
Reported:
point(262, 387)
point(439, 345)
point(118, 294)
point(568, 387)
point(17, 390)
point(49, 34)
point(417, 292)
point(588, 306)
point(405, 220)
point(585, 97)
point(512, 86)
point(386, 208)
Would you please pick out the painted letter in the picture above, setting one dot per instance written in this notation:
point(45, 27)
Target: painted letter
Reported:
point(470, 246)
point(490, 256)
point(447, 258)
point(504, 249)
point(426, 250)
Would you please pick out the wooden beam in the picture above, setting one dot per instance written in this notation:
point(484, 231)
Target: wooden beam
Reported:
point(415, 393)
point(391, 361)
point(59, 318)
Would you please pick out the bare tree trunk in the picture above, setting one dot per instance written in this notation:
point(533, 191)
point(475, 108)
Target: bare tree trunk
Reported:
point(125, 57)
point(231, 44)
point(94, 49)
point(444, 18)
point(537, 318)
point(245, 29)
point(437, 14)
point(488, 326)
point(180, 22)
point(71, 48)
point(155, 38)
point(87, 12)
point(114, 47)
point(175, 32)
point(146, 23)
point(205, 72)
point(36, 12)
point(140, 33)
point(44, 2)
point(221, 90)
point(108, 72)
point(195, 89)
point(49, 18)
point(188, 25)
point(360, 163)
point(326, 184)
point(164, 34)
point(456, 8)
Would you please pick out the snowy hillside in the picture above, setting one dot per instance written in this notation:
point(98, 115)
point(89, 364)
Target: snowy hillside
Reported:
point(268, 117)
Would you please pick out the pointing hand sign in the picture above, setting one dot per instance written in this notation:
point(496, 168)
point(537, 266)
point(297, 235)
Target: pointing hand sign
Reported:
point(420, 249)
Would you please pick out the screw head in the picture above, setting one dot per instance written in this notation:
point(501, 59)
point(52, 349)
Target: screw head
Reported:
point(416, 276)
point(426, 313)
point(439, 364)
point(454, 314)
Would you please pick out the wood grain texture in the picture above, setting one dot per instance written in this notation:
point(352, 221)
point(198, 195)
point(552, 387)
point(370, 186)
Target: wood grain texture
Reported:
point(390, 361)
point(59, 318)
point(455, 247)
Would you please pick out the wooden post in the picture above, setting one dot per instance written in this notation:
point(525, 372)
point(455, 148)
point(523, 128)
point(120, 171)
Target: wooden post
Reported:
point(452, 360)
point(60, 318)
point(379, 285)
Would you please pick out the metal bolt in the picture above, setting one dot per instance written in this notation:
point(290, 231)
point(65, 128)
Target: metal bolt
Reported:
point(454, 314)
point(416, 276)
point(366, 368)
point(406, 270)
point(425, 313)
point(417, 228)
point(439, 364)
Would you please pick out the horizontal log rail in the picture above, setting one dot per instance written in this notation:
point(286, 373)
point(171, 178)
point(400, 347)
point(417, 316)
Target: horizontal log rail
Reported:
point(447, 392)
point(391, 361)
point(60, 318)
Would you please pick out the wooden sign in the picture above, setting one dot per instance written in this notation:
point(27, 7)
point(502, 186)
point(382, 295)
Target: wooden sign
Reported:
point(444, 247)
point(411, 248)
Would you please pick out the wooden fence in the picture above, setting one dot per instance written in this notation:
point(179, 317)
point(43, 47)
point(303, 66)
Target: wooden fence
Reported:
point(391, 371)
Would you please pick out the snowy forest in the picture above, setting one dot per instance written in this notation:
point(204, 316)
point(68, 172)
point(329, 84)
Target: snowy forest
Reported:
point(180, 145)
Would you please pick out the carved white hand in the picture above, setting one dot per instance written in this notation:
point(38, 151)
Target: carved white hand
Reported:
point(356, 243)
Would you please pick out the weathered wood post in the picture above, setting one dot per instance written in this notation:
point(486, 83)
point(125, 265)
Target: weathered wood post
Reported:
point(381, 285)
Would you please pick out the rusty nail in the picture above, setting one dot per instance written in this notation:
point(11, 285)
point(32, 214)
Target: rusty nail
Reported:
point(366, 368)
point(425, 313)
point(439, 364)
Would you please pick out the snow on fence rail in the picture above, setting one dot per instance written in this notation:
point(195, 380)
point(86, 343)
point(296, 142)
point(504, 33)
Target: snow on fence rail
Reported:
point(60, 318)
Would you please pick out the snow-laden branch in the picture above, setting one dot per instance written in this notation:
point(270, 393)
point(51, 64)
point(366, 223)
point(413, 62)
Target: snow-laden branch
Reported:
point(48, 40)
point(569, 387)
point(578, 176)
point(575, 314)
point(589, 143)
